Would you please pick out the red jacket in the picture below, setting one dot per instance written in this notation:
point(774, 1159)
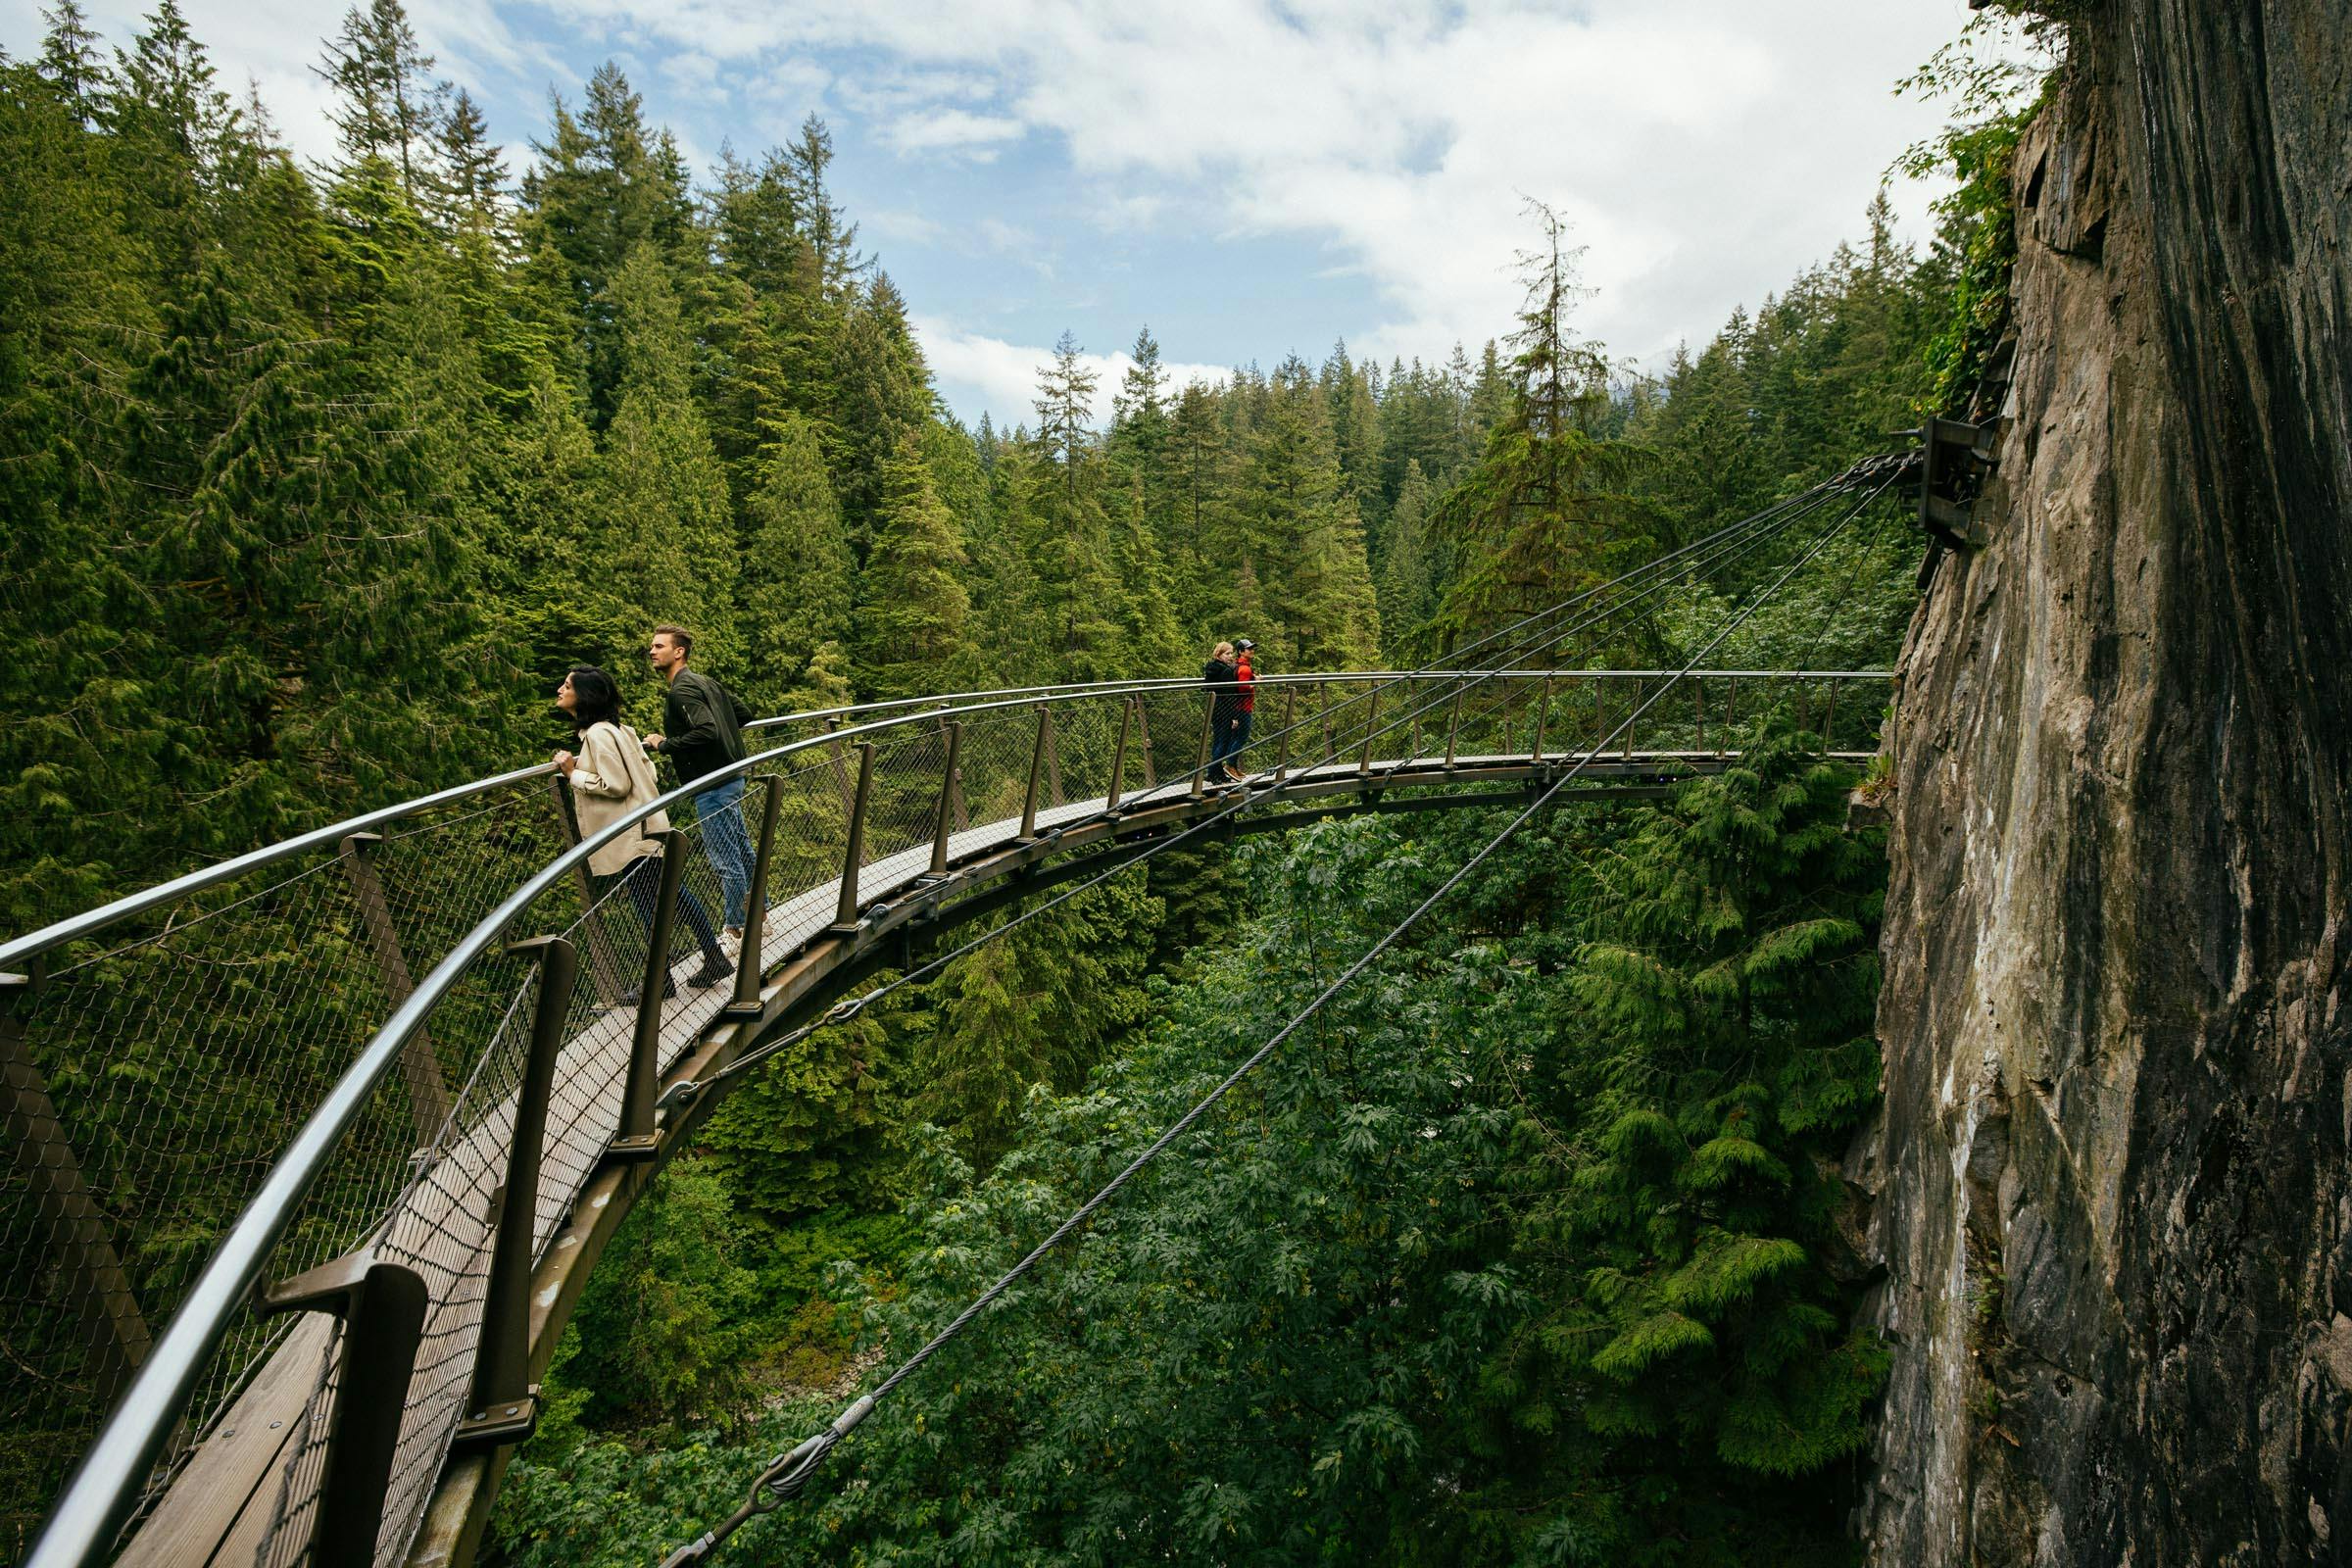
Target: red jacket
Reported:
point(1246, 676)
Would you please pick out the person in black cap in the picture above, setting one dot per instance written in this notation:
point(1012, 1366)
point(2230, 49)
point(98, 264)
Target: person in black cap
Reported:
point(1245, 676)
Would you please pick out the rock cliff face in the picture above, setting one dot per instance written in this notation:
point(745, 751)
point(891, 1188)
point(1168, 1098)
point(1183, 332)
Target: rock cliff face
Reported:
point(2112, 1192)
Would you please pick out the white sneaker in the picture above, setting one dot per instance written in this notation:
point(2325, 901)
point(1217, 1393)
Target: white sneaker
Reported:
point(730, 943)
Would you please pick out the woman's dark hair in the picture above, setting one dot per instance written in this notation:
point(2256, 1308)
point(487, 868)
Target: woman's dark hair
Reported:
point(595, 700)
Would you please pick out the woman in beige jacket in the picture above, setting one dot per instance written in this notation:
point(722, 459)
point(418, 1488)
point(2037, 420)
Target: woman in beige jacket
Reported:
point(612, 782)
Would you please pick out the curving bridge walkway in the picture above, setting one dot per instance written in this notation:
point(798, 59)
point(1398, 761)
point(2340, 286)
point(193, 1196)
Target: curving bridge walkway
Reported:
point(408, 1054)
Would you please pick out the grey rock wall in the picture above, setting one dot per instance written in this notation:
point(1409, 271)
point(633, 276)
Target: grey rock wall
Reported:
point(2111, 1189)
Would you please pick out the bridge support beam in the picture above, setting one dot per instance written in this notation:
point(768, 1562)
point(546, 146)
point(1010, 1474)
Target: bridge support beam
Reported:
point(602, 965)
point(1290, 717)
point(1038, 753)
point(419, 1068)
point(1209, 735)
point(382, 1309)
point(853, 855)
point(748, 964)
point(947, 801)
point(636, 1139)
point(1119, 756)
point(88, 1268)
point(503, 1406)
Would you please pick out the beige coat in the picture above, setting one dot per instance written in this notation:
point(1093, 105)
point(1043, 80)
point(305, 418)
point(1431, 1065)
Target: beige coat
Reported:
point(614, 779)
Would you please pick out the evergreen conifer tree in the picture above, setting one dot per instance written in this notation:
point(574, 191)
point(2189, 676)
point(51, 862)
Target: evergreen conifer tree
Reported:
point(797, 576)
point(911, 629)
point(1545, 512)
point(388, 104)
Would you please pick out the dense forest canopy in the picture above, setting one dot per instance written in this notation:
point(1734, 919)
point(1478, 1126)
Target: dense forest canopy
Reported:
point(320, 477)
point(316, 480)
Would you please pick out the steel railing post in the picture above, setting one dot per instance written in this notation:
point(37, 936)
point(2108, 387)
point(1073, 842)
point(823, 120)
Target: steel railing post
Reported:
point(1037, 765)
point(428, 1097)
point(1143, 738)
point(86, 1266)
point(1118, 755)
point(1600, 718)
point(1050, 744)
point(1698, 702)
point(636, 1139)
point(1363, 763)
point(853, 856)
point(1323, 712)
point(1208, 733)
point(382, 1309)
point(750, 962)
point(1829, 718)
point(504, 1404)
point(1454, 726)
point(947, 801)
point(1289, 715)
point(839, 763)
point(1543, 713)
point(1041, 748)
point(604, 966)
point(1731, 715)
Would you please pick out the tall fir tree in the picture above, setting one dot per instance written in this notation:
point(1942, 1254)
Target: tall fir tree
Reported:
point(1546, 512)
point(388, 103)
point(798, 579)
point(911, 630)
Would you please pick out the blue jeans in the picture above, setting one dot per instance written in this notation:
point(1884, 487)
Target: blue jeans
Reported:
point(719, 808)
point(1231, 735)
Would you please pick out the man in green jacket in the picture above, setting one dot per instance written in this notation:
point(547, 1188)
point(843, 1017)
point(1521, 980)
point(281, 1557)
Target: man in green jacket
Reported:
point(701, 723)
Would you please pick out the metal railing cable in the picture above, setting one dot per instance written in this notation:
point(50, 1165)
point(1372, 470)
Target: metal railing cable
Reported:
point(790, 1474)
point(349, 1127)
point(848, 1009)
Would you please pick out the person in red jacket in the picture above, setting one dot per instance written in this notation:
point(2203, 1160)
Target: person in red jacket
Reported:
point(1245, 674)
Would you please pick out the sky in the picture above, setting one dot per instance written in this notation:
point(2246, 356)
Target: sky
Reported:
point(1249, 179)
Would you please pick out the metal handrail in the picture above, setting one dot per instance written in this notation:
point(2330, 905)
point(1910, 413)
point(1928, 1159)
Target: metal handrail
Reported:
point(18, 953)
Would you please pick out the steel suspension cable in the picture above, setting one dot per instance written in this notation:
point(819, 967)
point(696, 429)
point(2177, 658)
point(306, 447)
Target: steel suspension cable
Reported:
point(788, 1476)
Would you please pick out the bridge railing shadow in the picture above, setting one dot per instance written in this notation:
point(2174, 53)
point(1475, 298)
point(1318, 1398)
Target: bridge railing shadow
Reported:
point(162, 1061)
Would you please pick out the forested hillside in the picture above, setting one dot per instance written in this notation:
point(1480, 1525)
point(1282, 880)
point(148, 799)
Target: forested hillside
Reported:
point(317, 478)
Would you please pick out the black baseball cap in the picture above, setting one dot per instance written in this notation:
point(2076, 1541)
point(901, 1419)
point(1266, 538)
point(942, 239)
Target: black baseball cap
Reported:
point(1244, 644)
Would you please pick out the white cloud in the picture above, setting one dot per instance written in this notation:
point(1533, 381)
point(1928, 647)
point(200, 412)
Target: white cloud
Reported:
point(950, 131)
point(275, 44)
point(913, 228)
point(1002, 377)
point(1705, 149)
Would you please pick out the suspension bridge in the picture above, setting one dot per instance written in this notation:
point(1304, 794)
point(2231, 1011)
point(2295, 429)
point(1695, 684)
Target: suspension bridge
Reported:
point(313, 1152)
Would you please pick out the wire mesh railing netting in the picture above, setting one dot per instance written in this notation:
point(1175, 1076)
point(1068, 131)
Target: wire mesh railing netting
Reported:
point(155, 1071)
